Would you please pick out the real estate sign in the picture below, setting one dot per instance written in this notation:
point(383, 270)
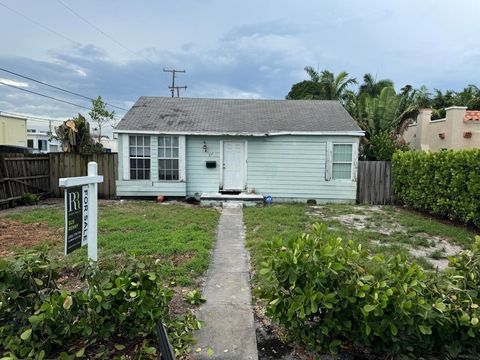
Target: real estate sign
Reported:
point(76, 218)
point(81, 211)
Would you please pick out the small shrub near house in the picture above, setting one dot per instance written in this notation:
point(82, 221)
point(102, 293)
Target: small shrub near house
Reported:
point(445, 183)
point(330, 293)
point(115, 315)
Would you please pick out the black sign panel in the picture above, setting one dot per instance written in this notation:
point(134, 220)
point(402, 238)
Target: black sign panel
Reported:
point(73, 218)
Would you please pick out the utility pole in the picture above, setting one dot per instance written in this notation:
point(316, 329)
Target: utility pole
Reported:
point(173, 87)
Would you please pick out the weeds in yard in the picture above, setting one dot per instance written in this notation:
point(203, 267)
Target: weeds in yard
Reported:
point(180, 236)
point(387, 230)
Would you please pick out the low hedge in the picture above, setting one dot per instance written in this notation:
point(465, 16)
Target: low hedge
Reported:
point(445, 183)
point(329, 294)
point(113, 317)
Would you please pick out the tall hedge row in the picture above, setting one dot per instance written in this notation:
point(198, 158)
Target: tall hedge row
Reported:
point(445, 183)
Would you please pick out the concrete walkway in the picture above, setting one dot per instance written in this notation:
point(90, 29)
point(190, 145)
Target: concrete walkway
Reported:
point(229, 331)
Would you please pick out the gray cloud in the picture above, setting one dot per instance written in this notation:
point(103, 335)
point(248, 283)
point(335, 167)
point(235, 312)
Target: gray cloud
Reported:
point(231, 51)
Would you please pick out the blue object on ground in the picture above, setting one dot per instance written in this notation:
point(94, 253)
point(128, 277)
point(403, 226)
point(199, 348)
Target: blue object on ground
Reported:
point(268, 199)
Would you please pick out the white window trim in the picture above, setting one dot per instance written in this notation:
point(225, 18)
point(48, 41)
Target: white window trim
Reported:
point(170, 158)
point(126, 157)
point(329, 161)
point(153, 157)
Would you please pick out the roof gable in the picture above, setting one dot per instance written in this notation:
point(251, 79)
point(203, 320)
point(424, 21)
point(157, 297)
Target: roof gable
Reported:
point(236, 116)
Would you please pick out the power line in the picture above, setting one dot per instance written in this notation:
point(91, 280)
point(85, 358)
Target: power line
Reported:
point(29, 117)
point(111, 38)
point(39, 24)
point(45, 96)
point(39, 119)
point(57, 88)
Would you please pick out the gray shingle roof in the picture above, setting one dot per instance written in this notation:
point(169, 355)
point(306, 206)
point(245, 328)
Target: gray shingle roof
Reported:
point(185, 115)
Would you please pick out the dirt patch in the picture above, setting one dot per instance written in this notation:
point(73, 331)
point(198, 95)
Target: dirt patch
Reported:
point(69, 280)
point(44, 204)
point(358, 222)
point(15, 234)
point(178, 306)
point(441, 247)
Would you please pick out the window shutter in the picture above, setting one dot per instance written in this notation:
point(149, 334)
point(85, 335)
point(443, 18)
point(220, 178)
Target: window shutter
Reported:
point(328, 161)
point(354, 161)
point(126, 157)
point(181, 158)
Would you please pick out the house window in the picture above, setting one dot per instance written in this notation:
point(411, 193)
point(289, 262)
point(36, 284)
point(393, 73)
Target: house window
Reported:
point(342, 161)
point(168, 168)
point(139, 149)
point(30, 143)
point(42, 144)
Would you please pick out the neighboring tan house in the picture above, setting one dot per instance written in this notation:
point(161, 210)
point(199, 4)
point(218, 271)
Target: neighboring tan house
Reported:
point(460, 129)
point(42, 141)
point(13, 130)
point(292, 150)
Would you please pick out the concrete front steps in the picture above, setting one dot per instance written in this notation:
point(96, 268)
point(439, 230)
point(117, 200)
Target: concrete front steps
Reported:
point(218, 199)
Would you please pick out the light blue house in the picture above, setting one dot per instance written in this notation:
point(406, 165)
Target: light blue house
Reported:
point(292, 150)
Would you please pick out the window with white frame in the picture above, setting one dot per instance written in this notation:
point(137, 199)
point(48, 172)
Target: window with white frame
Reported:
point(342, 161)
point(139, 150)
point(168, 158)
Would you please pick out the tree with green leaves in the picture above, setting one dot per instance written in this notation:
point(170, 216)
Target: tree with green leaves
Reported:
point(322, 86)
point(74, 134)
point(373, 87)
point(100, 115)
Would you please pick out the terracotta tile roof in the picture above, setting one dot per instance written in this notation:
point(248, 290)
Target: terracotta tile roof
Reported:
point(472, 115)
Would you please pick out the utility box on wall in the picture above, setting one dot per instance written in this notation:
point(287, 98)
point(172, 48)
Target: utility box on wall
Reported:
point(211, 164)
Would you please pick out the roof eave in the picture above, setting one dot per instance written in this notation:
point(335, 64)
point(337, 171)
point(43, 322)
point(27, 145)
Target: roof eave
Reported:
point(357, 133)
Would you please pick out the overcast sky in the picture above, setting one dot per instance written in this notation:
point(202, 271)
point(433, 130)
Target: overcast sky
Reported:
point(234, 49)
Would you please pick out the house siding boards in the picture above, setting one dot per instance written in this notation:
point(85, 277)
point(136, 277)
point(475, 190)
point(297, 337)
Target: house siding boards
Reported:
point(285, 167)
point(286, 148)
point(199, 178)
point(293, 167)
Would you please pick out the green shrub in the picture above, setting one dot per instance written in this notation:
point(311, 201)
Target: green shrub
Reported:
point(30, 199)
point(115, 314)
point(381, 147)
point(445, 183)
point(328, 292)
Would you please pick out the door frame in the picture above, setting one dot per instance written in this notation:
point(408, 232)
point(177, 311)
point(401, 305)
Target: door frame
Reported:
point(245, 162)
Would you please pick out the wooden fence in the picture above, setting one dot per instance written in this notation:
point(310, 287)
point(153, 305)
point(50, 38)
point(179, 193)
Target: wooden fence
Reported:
point(20, 174)
point(374, 182)
point(64, 165)
point(39, 174)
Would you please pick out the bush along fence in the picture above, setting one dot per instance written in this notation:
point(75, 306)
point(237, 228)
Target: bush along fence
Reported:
point(331, 294)
point(445, 183)
point(25, 174)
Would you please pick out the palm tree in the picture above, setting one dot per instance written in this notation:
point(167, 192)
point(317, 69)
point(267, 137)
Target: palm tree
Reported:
point(373, 87)
point(333, 87)
point(389, 112)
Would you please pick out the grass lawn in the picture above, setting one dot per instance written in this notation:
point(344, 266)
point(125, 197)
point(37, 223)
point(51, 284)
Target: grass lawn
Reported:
point(386, 230)
point(180, 236)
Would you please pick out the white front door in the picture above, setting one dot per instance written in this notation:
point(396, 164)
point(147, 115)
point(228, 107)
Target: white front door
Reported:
point(234, 165)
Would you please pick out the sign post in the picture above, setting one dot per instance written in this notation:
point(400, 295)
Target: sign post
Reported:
point(81, 211)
